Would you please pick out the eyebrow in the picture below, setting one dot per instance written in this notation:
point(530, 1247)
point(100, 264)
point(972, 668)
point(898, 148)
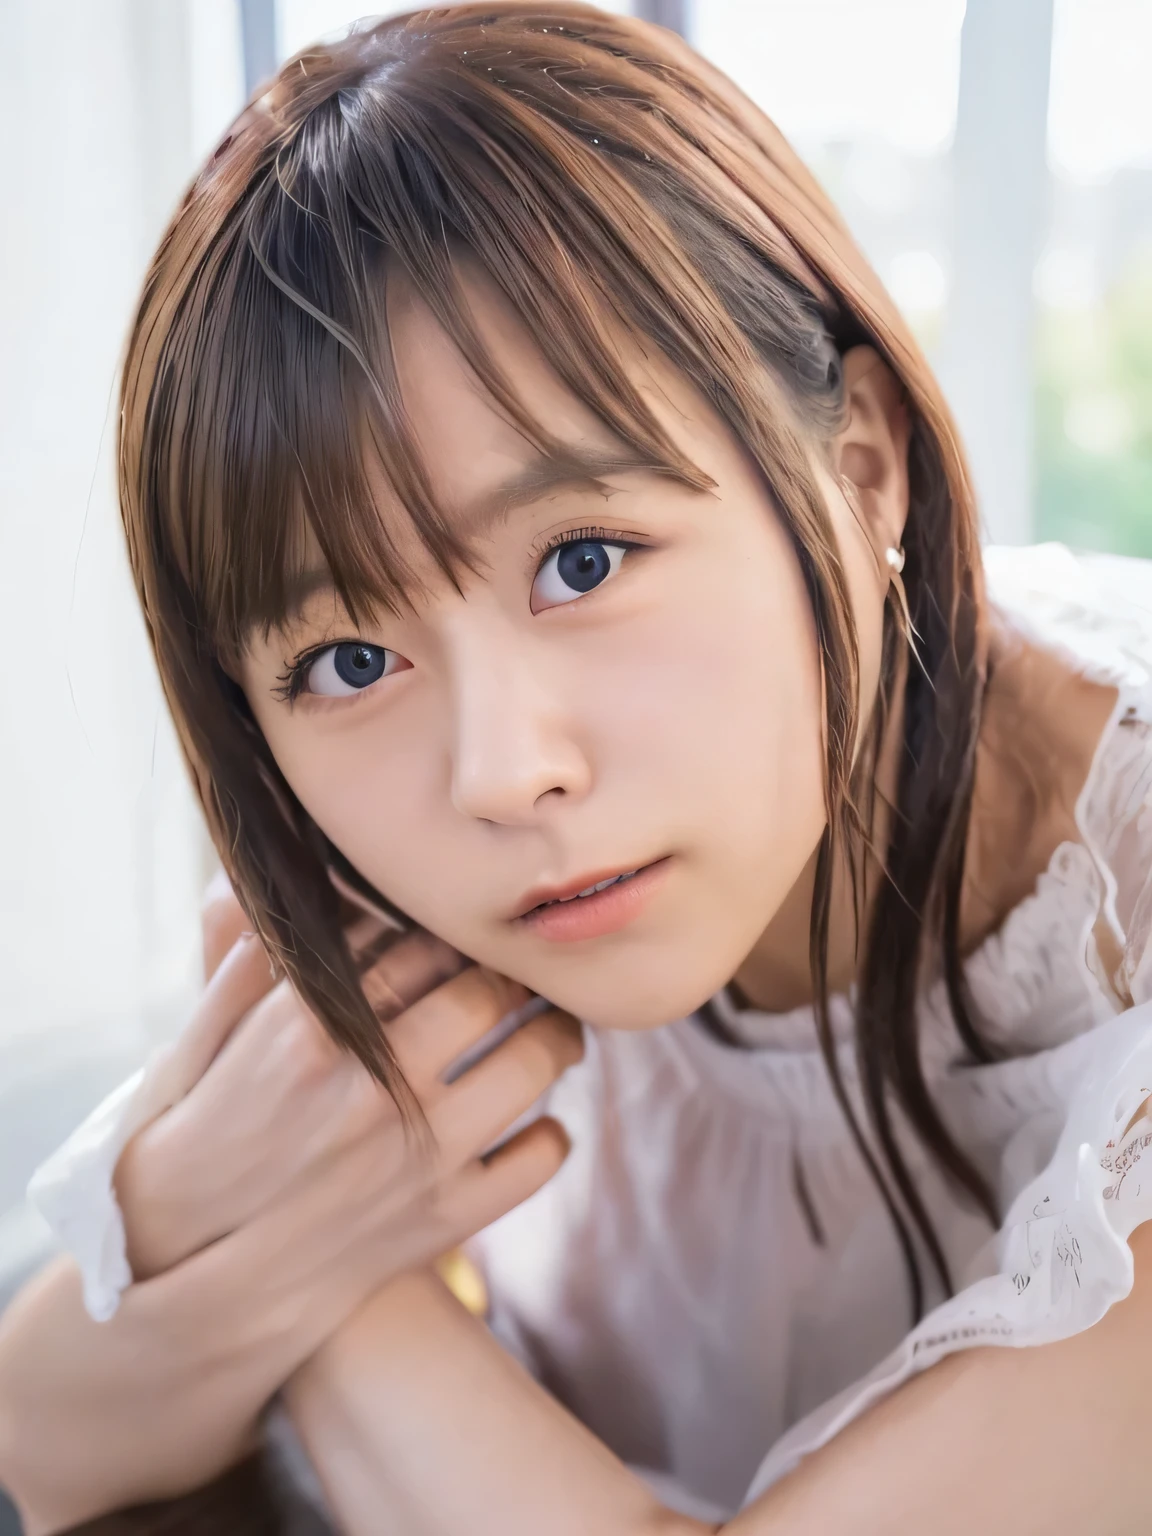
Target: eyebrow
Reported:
point(564, 466)
point(559, 468)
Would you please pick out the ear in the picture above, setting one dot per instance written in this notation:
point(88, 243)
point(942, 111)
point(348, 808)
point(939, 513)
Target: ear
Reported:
point(870, 453)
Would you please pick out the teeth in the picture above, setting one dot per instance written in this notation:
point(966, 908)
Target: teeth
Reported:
point(592, 889)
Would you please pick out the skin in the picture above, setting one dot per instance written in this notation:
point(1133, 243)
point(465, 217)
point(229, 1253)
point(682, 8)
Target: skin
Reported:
point(521, 745)
point(258, 1222)
point(517, 742)
point(523, 740)
point(539, 737)
point(1045, 1441)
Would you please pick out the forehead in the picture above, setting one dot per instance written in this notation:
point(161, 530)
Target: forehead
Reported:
point(467, 442)
point(478, 461)
point(483, 441)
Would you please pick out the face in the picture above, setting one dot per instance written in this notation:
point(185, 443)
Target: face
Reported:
point(628, 687)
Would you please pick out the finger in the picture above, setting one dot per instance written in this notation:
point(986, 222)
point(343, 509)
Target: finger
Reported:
point(407, 969)
point(361, 1249)
point(222, 921)
point(429, 1036)
point(368, 938)
point(338, 1112)
point(242, 978)
point(283, 1024)
point(283, 1030)
point(478, 1109)
point(485, 1189)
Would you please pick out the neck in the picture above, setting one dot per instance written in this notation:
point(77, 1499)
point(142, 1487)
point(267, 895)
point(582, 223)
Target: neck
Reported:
point(776, 975)
point(1041, 726)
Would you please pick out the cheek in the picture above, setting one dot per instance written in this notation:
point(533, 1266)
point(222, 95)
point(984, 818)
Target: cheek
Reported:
point(765, 716)
point(711, 713)
point(361, 788)
point(756, 667)
point(702, 720)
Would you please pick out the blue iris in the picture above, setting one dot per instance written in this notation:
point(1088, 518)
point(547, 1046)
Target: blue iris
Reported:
point(583, 566)
point(358, 664)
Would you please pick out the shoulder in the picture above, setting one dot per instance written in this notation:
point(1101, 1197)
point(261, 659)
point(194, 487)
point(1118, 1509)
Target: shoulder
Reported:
point(1075, 947)
point(1095, 611)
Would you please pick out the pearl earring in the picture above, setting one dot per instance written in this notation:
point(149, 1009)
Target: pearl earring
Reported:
point(894, 559)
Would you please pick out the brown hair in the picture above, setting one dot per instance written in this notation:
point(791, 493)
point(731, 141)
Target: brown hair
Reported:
point(594, 168)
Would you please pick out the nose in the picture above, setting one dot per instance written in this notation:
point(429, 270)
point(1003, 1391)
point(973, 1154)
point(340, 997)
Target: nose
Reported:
point(514, 749)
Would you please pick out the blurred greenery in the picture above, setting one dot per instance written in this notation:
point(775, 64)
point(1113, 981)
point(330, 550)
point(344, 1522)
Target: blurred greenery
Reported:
point(1094, 418)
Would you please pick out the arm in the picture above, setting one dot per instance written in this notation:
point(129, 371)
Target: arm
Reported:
point(413, 1411)
point(418, 1422)
point(1043, 1441)
point(258, 1221)
point(161, 1398)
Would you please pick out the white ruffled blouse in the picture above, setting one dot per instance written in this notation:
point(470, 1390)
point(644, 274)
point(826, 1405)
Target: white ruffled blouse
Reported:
point(711, 1283)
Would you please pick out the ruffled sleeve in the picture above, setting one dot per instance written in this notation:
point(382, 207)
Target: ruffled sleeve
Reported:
point(1062, 1254)
point(1074, 1159)
point(74, 1189)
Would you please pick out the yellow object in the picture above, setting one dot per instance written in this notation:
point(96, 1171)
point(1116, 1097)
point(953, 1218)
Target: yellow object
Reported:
point(463, 1279)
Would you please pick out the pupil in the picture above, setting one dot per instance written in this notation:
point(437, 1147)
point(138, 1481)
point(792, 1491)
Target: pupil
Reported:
point(358, 665)
point(583, 566)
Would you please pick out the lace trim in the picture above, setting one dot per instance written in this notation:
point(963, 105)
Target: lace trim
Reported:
point(1067, 930)
point(1063, 1254)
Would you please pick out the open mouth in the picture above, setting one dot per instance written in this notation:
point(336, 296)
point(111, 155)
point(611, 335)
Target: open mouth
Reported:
point(592, 890)
point(596, 907)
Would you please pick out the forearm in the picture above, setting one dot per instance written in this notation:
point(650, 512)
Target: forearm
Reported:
point(1047, 1441)
point(414, 1415)
point(419, 1423)
point(94, 1416)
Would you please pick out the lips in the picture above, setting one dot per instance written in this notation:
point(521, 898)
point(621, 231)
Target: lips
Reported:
point(594, 908)
point(575, 890)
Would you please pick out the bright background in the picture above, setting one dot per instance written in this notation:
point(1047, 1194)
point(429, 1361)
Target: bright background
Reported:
point(995, 160)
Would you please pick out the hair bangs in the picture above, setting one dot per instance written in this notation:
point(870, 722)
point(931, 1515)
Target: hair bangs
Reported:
point(615, 188)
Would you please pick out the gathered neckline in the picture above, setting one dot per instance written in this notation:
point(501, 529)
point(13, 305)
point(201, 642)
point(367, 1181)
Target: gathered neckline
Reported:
point(1075, 874)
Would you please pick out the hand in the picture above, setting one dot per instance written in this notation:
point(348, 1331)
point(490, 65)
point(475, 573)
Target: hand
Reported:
point(274, 1197)
point(284, 1139)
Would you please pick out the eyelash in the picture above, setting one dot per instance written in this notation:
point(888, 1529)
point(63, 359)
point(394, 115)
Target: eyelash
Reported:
point(290, 683)
point(588, 536)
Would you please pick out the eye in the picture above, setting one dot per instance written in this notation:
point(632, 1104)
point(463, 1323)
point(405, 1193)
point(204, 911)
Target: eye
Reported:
point(350, 667)
point(574, 568)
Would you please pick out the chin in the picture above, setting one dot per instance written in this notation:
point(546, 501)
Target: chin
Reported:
point(643, 1000)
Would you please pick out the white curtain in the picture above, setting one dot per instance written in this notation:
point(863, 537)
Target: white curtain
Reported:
point(105, 108)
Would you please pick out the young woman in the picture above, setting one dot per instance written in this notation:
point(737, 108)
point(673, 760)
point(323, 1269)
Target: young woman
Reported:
point(554, 543)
